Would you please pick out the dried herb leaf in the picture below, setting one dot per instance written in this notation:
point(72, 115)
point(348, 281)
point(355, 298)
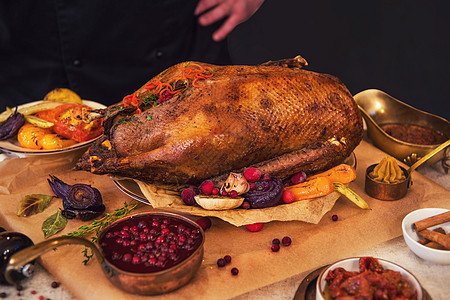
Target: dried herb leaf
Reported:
point(54, 224)
point(33, 204)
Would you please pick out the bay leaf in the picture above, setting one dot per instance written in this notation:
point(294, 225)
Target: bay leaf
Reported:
point(54, 224)
point(33, 204)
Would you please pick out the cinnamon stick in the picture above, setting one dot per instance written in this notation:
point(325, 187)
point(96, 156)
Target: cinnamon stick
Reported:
point(435, 245)
point(431, 221)
point(436, 237)
point(425, 241)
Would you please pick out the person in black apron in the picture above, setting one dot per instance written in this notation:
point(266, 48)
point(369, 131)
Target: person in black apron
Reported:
point(105, 50)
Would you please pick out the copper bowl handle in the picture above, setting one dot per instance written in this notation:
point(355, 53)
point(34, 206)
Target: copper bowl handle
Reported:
point(19, 259)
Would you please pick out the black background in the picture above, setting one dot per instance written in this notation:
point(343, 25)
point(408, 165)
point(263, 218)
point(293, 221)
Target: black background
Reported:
point(399, 47)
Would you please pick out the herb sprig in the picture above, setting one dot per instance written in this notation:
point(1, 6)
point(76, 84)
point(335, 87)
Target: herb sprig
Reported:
point(96, 226)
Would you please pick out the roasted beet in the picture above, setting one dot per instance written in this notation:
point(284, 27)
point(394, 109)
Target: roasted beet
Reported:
point(265, 194)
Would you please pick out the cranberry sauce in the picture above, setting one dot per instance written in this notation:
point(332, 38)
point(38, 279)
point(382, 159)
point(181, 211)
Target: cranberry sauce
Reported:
point(147, 244)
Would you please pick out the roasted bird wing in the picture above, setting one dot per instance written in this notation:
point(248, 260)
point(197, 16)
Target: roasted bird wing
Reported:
point(275, 116)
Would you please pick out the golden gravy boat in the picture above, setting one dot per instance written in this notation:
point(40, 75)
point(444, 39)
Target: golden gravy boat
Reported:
point(379, 108)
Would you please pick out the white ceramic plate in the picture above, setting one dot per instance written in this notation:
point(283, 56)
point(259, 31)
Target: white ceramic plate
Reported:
point(352, 264)
point(12, 145)
point(411, 237)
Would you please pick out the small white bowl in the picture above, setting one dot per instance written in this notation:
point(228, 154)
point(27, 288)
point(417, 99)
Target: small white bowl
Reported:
point(352, 264)
point(411, 237)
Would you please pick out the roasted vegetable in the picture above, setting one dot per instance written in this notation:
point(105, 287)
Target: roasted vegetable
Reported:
point(266, 193)
point(30, 136)
point(68, 120)
point(312, 188)
point(31, 109)
point(80, 200)
point(342, 173)
point(63, 95)
point(351, 195)
point(11, 126)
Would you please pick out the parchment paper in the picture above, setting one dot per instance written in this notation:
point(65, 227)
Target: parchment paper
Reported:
point(310, 211)
point(313, 245)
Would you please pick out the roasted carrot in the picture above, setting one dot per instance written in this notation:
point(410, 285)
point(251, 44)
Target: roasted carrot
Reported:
point(342, 173)
point(312, 188)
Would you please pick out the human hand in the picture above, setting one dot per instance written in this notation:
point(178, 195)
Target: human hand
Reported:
point(235, 12)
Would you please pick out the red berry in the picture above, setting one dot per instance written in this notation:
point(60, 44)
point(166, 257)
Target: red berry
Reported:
point(207, 187)
point(286, 241)
point(288, 196)
point(234, 271)
point(204, 223)
point(254, 227)
point(252, 186)
point(252, 174)
point(334, 218)
point(275, 247)
point(221, 262)
point(224, 193)
point(298, 178)
point(245, 205)
point(233, 194)
point(267, 177)
point(227, 258)
point(187, 196)
point(215, 191)
point(275, 241)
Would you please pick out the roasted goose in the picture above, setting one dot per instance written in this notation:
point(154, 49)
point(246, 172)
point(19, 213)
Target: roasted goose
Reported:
point(276, 116)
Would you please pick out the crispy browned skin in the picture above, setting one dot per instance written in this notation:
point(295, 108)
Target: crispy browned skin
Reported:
point(278, 117)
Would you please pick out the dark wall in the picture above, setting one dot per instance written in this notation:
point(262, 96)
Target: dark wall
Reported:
point(399, 47)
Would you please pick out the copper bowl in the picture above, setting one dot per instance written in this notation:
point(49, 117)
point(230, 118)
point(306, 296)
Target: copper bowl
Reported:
point(136, 283)
point(386, 191)
point(379, 108)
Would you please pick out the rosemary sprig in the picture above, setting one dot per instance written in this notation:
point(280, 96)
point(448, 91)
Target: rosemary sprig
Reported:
point(97, 225)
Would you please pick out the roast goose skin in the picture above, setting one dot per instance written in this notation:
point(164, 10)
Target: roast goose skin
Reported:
point(276, 116)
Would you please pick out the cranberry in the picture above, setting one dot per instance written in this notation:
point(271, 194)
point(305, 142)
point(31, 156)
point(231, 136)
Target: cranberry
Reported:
point(187, 195)
point(267, 177)
point(233, 194)
point(221, 262)
point(276, 241)
point(245, 205)
point(275, 247)
point(234, 271)
point(215, 191)
point(288, 196)
point(252, 174)
point(254, 227)
point(298, 178)
point(286, 241)
point(204, 223)
point(224, 193)
point(334, 218)
point(127, 257)
point(206, 187)
point(227, 258)
point(252, 186)
point(136, 260)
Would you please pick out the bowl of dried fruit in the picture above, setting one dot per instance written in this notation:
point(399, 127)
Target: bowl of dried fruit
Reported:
point(147, 254)
point(383, 280)
point(426, 232)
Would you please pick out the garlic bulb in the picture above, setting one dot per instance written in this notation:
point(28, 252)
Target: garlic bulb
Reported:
point(236, 182)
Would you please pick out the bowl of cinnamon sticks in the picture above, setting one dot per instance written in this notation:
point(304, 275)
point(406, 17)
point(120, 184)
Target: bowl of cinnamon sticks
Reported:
point(427, 233)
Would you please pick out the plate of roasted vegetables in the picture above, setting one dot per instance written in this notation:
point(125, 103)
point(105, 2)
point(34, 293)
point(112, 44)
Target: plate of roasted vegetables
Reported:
point(58, 123)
